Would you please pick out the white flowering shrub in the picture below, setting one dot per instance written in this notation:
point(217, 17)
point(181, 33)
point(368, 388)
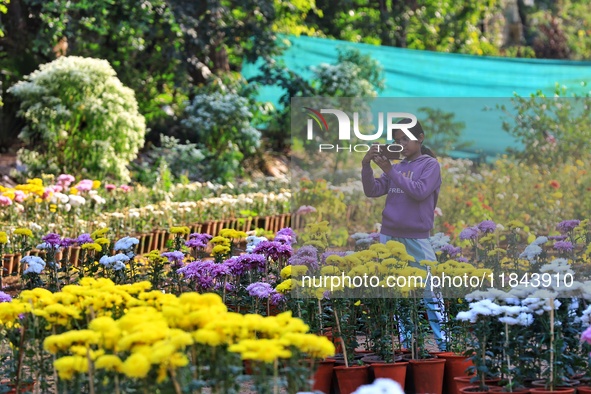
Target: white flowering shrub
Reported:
point(80, 119)
point(221, 124)
point(342, 80)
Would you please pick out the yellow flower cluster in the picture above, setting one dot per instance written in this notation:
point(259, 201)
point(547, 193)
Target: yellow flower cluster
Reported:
point(232, 234)
point(133, 330)
point(183, 230)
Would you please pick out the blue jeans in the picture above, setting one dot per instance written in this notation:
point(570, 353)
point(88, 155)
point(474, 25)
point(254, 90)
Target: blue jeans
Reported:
point(421, 249)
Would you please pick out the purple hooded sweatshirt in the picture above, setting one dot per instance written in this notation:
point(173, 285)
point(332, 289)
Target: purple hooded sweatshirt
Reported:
point(412, 189)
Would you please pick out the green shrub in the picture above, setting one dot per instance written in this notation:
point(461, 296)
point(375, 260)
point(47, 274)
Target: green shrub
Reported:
point(221, 124)
point(80, 119)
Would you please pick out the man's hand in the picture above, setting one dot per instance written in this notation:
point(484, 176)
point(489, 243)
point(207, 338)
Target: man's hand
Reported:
point(383, 163)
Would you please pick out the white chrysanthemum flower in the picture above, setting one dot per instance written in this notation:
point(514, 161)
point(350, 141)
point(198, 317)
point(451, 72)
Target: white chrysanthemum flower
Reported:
point(35, 264)
point(381, 386)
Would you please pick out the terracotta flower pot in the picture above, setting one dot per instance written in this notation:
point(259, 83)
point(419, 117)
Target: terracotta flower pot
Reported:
point(394, 371)
point(323, 376)
point(464, 381)
point(541, 390)
point(426, 376)
point(476, 389)
point(351, 378)
point(455, 366)
point(584, 390)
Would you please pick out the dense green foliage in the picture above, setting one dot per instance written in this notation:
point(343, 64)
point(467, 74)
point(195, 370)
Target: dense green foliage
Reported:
point(169, 52)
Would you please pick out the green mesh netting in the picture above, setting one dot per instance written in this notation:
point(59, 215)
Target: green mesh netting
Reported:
point(413, 73)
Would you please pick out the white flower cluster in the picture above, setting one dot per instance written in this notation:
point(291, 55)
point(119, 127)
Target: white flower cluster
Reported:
point(252, 241)
point(438, 241)
point(380, 386)
point(533, 250)
point(35, 264)
point(126, 244)
point(116, 262)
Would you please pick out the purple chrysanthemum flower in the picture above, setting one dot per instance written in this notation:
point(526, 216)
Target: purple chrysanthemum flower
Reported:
point(487, 226)
point(52, 239)
point(203, 237)
point(203, 272)
point(461, 259)
point(375, 236)
point(563, 246)
point(567, 225)
point(195, 243)
point(5, 297)
point(238, 265)
point(176, 258)
point(260, 290)
point(84, 239)
point(67, 242)
point(469, 233)
point(276, 298)
point(558, 237)
point(273, 250)
point(284, 239)
point(306, 255)
point(451, 250)
point(287, 231)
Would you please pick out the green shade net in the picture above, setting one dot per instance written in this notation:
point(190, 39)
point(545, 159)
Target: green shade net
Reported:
point(414, 73)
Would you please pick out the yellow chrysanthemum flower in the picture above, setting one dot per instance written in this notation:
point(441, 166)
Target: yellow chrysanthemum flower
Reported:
point(96, 184)
point(102, 241)
point(23, 231)
point(92, 246)
point(136, 366)
point(180, 230)
point(3, 237)
point(99, 233)
point(109, 362)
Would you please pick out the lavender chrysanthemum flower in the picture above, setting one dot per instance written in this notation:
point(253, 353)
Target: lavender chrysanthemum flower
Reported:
point(563, 246)
point(306, 255)
point(461, 259)
point(201, 238)
point(284, 239)
point(276, 298)
point(195, 243)
point(5, 297)
point(67, 242)
point(487, 226)
point(176, 258)
point(273, 250)
point(287, 231)
point(260, 290)
point(52, 239)
point(84, 239)
point(203, 272)
point(240, 264)
point(451, 250)
point(567, 225)
point(469, 233)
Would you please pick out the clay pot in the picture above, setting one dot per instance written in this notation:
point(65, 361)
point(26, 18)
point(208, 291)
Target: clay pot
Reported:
point(455, 366)
point(476, 389)
point(323, 376)
point(394, 371)
point(351, 378)
point(426, 376)
point(540, 390)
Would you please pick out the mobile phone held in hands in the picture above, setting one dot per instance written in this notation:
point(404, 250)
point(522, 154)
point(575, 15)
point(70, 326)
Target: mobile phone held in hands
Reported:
point(390, 151)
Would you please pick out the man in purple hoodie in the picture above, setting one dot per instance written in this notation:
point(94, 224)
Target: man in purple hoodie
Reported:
point(412, 189)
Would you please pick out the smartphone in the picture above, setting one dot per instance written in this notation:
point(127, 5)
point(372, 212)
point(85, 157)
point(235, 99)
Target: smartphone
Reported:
point(390, 154)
